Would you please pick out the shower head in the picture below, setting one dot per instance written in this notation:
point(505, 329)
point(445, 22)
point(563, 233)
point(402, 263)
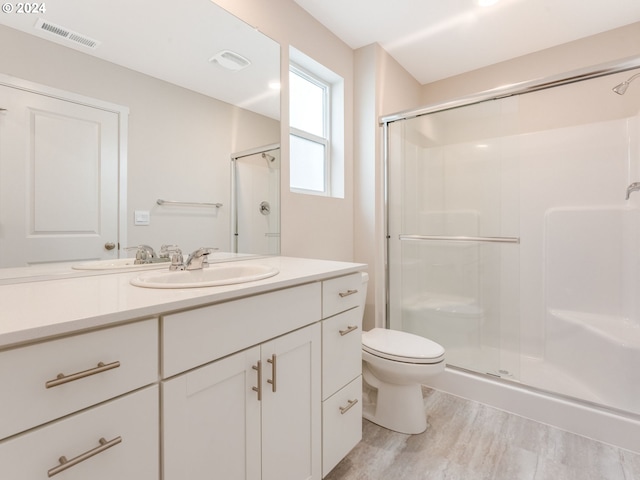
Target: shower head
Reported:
point(268, 158)
point(621, 88)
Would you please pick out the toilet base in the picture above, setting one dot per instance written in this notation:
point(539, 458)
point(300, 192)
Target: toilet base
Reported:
point(398, 407)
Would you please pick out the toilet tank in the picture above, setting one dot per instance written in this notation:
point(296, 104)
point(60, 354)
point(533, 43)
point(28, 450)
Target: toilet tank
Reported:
point(363, 290)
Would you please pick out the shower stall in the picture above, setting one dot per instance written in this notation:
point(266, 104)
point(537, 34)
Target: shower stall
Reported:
point(513, 233)
point(255, 201)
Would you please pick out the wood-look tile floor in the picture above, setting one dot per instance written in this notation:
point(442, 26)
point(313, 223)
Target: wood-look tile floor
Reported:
point(466, 440)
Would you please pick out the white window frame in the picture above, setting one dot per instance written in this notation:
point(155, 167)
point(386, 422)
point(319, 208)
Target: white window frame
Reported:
point(325, 140)
point(336, 118)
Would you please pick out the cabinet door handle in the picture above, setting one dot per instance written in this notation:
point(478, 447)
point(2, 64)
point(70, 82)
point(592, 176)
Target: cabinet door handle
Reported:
point(65, 464)
point(272, 361)
point(258, 389)
point(350, 403)
point(347, 293)
point(349, 329)
point(61, 379)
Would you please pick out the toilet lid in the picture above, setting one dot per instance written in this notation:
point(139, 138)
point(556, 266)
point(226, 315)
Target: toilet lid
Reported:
point(401, 346)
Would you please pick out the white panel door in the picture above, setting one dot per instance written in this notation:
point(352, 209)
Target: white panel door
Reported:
point(58, 180)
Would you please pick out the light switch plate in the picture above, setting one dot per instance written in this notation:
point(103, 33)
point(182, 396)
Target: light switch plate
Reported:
point(141, 217)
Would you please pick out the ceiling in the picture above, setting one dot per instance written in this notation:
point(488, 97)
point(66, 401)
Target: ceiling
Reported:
point(145, 36)
point(436, 39)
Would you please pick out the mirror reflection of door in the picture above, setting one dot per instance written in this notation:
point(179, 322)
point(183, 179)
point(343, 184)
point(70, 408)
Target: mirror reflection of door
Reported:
point(58, 180)
point(256, 201)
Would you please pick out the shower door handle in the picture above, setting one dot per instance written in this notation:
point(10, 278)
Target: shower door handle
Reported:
point(444, 238)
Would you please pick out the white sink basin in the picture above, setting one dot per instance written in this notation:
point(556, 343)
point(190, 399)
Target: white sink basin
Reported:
point(118, 264)
point(212, 276)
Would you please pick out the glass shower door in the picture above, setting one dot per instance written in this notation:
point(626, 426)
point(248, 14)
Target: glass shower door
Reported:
point(453, 234)
point(256, 201)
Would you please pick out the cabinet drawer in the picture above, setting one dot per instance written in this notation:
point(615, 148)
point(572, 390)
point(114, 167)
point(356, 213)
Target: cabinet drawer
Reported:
point(199, 336)
point(129, 354)
point(341, 424)
point(340, 294)
point(341, 350)
point(132, 419)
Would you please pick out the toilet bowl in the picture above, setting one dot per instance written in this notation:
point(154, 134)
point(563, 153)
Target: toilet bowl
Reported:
point(396, 364)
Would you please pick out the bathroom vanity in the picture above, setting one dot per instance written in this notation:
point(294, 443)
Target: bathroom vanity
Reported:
point(103, 379)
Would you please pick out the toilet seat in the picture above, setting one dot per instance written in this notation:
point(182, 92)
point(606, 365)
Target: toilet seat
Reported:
point(401, 346)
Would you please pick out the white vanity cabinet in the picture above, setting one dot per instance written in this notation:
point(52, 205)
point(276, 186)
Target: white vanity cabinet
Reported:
point(254, 414)
point(258, 381)
point(113, 435)
point(341, 369)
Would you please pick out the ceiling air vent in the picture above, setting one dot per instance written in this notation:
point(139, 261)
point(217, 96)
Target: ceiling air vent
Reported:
point(230, 60)
point(66, 34)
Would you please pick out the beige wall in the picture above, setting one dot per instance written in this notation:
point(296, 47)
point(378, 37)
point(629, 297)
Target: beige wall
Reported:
point(312, 226)
point(382, 86)
point(179, 142)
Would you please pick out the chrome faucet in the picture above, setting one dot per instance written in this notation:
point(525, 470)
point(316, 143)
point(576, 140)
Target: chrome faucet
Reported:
point(173, 254)
point(635, 186)
point(198, 258)
point(144, 254)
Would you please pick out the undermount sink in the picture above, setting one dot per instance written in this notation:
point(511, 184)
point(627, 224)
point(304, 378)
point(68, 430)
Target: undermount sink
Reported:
point(212, 276)
point(118, 264)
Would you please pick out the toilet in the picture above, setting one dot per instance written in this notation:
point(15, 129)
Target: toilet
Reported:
point(396, 364)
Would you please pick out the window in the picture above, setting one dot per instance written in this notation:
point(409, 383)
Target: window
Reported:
point(309, 132)
point(316, 128)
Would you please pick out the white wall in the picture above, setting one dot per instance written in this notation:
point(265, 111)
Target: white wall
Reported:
point(179, 142)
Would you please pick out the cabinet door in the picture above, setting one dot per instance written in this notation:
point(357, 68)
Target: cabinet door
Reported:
point(291, 417)
point(212, 421)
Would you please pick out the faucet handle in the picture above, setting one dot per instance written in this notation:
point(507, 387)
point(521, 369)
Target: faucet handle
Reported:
point(144, 253)
point(167, 250)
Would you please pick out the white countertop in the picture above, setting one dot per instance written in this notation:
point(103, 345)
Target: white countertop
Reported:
point(43, 309)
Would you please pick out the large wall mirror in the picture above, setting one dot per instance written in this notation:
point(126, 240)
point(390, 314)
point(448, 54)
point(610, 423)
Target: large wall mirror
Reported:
point(166, 94)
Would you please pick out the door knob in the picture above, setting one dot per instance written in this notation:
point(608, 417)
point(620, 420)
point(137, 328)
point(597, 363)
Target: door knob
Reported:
point(109, 246)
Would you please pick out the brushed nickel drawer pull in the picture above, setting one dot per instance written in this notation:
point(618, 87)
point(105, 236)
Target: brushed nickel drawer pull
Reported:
point(272, 361)
point(350, 403)
point(350, 328)
point(258, 389)
point(347, 293)
point(65, 464)
point(61, 379)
